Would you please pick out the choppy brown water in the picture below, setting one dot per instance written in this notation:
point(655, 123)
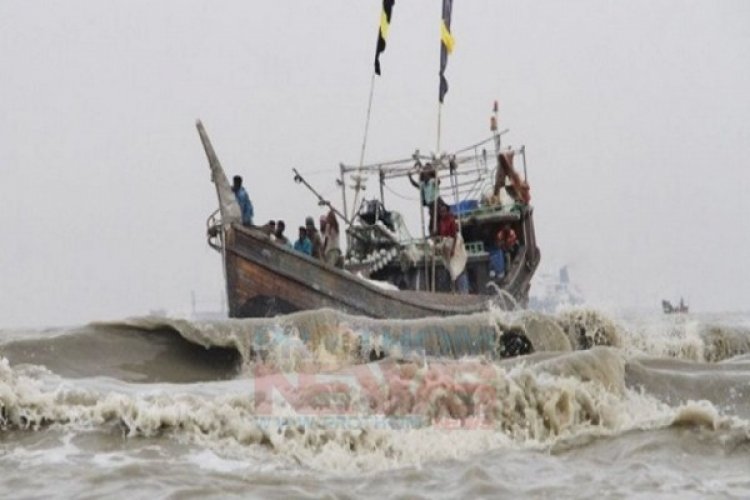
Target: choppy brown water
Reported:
point(322, 403)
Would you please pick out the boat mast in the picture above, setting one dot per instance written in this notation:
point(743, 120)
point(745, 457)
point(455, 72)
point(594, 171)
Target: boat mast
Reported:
point(494, 121)
point(358, 181)
point(446, 47)
point(383, 28)
point(342, 183)
point(381, 176)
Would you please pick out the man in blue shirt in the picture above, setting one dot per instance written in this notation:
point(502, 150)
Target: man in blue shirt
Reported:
point(303, 244)
point(498, 264)
point(246, 206)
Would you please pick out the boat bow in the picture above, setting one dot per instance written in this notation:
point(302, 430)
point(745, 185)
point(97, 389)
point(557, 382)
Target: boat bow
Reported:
point(228, 206)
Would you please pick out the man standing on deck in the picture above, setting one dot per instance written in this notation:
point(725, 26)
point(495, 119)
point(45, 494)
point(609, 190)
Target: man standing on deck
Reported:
point(246, 206)
point(280, 237)
point(428, 190)
point(331, 246)
point(303, 243)
point(315, 238)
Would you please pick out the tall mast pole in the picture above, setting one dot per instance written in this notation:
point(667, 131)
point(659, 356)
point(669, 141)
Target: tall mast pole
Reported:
point(343, 190)
point(494, 127)
point(358, 180)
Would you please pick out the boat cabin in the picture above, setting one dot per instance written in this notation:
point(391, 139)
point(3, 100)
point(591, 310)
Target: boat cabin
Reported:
point(499, 253)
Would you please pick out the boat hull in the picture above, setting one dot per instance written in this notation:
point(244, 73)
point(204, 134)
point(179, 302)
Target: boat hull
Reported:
point(267, 279)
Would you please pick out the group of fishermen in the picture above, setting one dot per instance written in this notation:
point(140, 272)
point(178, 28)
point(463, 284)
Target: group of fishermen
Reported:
point(505, 245)
point(323, 244)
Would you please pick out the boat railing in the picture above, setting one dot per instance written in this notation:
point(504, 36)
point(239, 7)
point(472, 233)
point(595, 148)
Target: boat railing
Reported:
point(214, 233)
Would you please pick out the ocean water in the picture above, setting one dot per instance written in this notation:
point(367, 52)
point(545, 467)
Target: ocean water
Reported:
point(321, 404)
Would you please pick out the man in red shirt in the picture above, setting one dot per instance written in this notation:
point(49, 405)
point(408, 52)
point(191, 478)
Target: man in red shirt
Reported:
point(447, 226)
point(508, 241)
point(448, 229)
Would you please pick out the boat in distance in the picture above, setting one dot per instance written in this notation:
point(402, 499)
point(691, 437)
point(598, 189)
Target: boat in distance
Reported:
point(680, 308)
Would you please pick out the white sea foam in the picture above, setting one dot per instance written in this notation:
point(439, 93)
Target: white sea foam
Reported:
point(461, 408)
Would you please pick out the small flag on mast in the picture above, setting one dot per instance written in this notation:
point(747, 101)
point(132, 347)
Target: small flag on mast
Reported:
point(446, 45)
point(385, 23)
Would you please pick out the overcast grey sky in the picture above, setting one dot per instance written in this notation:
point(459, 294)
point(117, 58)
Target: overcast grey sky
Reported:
point(635, 115)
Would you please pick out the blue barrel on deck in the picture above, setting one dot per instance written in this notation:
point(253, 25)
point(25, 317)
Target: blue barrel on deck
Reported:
point(464, 207)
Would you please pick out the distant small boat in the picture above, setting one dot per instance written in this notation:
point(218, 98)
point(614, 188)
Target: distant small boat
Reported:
point(668, 308)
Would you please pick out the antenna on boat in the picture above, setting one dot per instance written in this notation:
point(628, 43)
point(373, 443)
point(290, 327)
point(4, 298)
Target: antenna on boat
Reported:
point(494, 121)
point(341, 182)
point(523, 156)
point(321, 201)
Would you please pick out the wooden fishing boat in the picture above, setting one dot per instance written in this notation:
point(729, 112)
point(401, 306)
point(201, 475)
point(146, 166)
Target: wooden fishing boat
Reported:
point(265, 278)
point(488, 252)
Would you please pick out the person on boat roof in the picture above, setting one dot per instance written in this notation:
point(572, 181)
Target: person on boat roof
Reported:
point(314, 235)
point(428, 189)
point(303, 243)
point(331, 246)
point(280, 238)
point(427, 184)
point(246, 206)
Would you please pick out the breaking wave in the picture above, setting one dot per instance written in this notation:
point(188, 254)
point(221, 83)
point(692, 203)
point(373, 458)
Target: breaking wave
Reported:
point(326, 389)
point(329, 334)
point(390, 415)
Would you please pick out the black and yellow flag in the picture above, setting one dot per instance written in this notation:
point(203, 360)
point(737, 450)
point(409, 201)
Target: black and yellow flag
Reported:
point(446, 45)
point(385, 23)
